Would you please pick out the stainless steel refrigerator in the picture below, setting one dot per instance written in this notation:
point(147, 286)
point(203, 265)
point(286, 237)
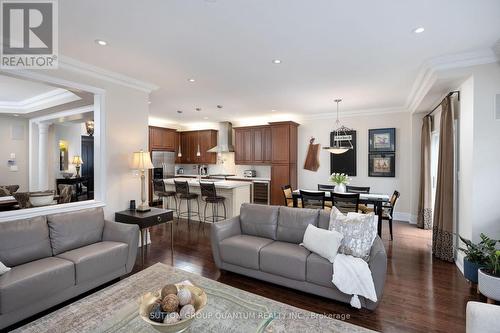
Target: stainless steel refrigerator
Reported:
point(164, 164)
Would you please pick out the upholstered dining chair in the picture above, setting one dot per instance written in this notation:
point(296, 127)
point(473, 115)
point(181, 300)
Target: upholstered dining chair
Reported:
point(327, 188)
point(346, 202)
point(361, 190)
point(287, 194)
point(313, 199)
point(388, 210)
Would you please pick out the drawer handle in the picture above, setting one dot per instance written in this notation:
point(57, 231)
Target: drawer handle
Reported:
point(159, 218)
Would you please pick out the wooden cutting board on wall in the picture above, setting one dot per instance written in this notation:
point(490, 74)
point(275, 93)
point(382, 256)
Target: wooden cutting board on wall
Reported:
point(312, 160)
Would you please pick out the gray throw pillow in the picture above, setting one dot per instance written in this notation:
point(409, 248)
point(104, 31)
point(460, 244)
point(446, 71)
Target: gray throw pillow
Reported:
point(359, 231)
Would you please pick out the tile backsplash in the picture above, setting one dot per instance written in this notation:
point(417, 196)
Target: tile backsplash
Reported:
point(225, 165)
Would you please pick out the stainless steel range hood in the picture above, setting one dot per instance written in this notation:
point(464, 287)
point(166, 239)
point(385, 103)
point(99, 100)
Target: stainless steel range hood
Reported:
point(224, 138)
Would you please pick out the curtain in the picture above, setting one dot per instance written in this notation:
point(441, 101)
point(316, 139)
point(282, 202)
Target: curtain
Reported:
point(424, 219)
point(442, 231)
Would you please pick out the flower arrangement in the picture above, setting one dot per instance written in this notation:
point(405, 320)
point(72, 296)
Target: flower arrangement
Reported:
point(340, 178)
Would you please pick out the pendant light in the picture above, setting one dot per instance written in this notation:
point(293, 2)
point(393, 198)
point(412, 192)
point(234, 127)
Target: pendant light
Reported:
point(341, 139)
point(179, 152)
point(198, 152)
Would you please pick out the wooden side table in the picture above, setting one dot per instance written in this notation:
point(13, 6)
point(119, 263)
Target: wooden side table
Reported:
point(144, 220)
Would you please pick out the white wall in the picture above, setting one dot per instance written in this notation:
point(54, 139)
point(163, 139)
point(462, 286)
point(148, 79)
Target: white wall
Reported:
point(486, 153)
point(321, 128)
point(18, 147)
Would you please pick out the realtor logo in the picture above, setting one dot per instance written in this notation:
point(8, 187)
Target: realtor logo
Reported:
point(29, 34)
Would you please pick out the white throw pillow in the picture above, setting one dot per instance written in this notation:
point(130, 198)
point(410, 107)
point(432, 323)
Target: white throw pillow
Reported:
point(359, 232)
point(3, 269)
point(323, 242)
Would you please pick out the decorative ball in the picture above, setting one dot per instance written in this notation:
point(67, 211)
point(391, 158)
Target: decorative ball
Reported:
point(156, 314)
point(184, 296)
point(187, 311)
point(170, 303)
point(167, 290)
point(172, 318)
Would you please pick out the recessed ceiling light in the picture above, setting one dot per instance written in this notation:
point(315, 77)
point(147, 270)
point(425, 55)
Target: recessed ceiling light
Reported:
point(419, 30)
point(219, 106)
point(273, 110)
point(191, 80)
point(198, 109)
point(179, 111)
point(101, 42)
point(276, 61)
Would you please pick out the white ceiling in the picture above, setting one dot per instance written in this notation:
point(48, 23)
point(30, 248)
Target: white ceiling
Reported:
point(17, 90)
point(362, 51)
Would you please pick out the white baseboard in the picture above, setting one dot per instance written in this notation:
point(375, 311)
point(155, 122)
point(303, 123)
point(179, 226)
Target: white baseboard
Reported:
point(460, 261)
point(405, 217)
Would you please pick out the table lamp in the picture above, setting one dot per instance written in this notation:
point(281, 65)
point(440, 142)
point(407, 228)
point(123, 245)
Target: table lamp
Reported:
point(77, 161)
point(142, 161)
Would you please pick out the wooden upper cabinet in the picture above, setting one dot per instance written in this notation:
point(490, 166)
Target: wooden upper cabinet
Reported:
point(190, 141)
point(177, 147)
point(252, 145)
point(161, 138)
point(280, 136)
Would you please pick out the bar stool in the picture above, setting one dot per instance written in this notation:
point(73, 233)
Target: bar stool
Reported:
point(160, 191)
point(209, 195)
point(182, 190)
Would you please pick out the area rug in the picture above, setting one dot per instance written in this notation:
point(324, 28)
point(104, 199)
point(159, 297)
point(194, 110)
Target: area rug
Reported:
point(114, 309)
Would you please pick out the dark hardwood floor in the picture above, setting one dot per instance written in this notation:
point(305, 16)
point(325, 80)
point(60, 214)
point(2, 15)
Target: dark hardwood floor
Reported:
point(422, 294)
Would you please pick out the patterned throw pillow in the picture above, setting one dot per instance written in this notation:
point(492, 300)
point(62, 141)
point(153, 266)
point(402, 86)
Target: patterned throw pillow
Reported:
point(3, 268)
point(359, 232)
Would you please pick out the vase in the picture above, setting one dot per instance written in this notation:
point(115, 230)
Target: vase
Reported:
point(470, 270)
point(339, 188)
point(489, 285)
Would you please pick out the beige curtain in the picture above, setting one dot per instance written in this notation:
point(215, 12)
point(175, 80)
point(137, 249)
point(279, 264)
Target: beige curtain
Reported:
point(424, 220)
point(442, 231)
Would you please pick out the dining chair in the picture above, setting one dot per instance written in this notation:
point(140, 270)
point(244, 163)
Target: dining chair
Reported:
point(312, 199)
point(288, 195)
point(361, 190)
point(327, 188)
point(346, 202)
point(388, 210)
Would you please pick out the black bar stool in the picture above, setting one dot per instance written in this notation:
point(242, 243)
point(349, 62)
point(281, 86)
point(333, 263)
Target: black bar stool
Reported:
point(182, 190)
point(160, 191)
point(209, 195)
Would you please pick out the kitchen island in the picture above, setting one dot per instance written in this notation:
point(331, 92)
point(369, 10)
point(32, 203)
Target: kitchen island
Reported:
point(235, 192)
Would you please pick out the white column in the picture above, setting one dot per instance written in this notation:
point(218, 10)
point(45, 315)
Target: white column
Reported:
point(43, 163)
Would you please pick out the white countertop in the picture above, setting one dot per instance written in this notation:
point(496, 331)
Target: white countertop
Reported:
point(242, 178)
point(222, 184)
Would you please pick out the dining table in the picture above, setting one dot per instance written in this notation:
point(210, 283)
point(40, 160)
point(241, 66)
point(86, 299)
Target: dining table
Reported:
point(375, 199)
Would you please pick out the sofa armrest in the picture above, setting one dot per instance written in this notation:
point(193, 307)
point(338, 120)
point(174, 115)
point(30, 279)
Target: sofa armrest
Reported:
point(124, 233)
point(378, 267)
point(481, 317)
point(222, 230)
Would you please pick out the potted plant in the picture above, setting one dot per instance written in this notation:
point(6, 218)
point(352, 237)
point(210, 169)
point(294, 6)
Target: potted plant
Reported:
point(474, 257)
point(340, 180)
point(489, 276)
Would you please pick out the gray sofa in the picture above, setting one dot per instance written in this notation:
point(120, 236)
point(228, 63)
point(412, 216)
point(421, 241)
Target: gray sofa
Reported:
point(56, 257)
point(263, 243)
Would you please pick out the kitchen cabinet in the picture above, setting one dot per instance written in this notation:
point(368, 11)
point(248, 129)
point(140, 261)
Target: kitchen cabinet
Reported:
point(252, 145)
point(178, 148)
point(161, 138)
point(191, 140)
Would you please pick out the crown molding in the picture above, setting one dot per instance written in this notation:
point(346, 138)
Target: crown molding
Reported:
point(355, 113)
point(104, 74)
point(429, 72)
point(46, 100)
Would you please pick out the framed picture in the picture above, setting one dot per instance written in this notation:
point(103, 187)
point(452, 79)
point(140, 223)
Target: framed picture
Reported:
point(382, 165)
point(346, 162)
point(382, 139)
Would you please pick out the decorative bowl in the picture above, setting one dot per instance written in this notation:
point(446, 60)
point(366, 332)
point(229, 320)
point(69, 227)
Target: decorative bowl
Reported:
point(67, 175)
point(147, 301)
point(38, 199)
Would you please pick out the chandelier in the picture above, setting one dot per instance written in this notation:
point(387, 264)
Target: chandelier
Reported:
point(341, 136)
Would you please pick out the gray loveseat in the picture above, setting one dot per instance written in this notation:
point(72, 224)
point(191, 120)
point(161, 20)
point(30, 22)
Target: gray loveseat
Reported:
point(263, 243)
point(56, 257)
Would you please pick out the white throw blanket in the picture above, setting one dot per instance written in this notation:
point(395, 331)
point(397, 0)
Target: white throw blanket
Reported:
point(352, 276)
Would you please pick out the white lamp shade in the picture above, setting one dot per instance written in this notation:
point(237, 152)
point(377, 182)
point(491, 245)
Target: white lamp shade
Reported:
point(141, 161)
